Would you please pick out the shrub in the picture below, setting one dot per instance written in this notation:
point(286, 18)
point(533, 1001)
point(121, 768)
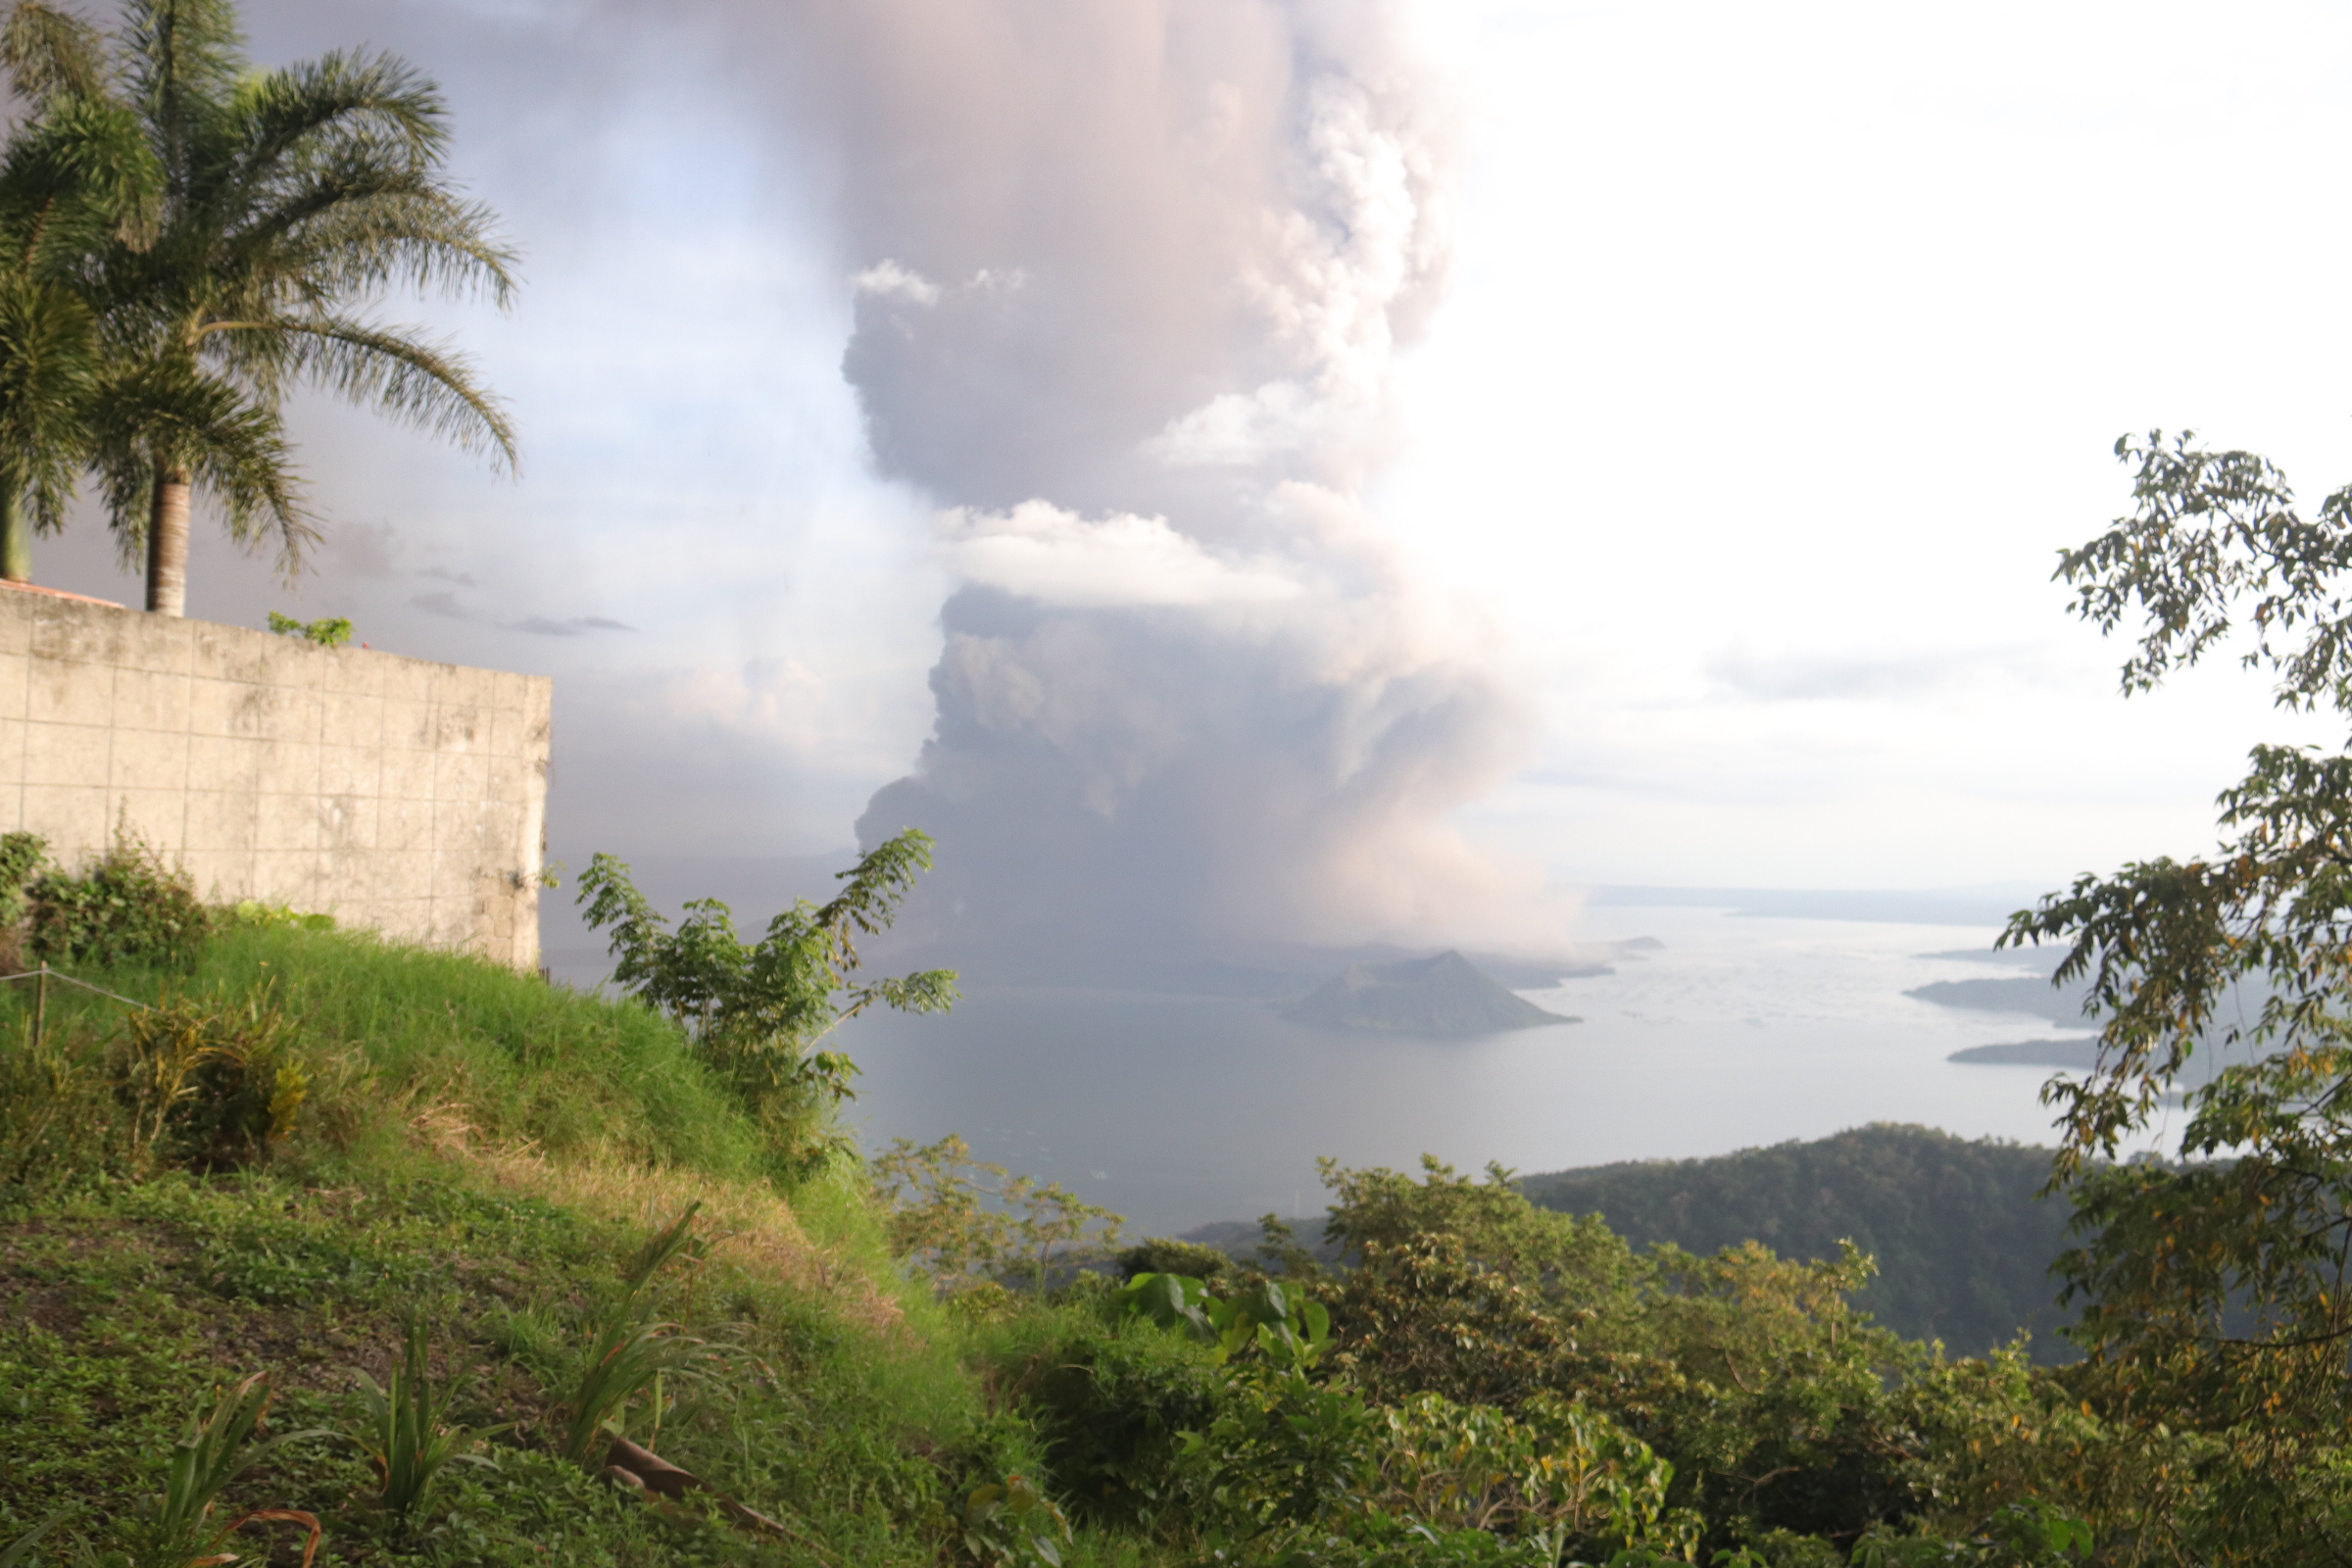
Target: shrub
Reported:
point(1112, 1403)
point(1011, 1524)
point(965, 1221)
point(1290, 1464)
point(208, 1086)
point(759, 1011)
point(128, 907)
point(1161, 1255)
point(254, 913)
point(1420, 1315)
point(21, 858)
point(332, 632)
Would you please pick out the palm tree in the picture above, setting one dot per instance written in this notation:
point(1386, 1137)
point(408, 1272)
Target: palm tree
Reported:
point(288, 200)
point(47, 354)
point(75, 177)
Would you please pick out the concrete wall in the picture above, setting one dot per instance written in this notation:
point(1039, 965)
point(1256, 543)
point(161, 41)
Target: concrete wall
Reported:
point(386, 791)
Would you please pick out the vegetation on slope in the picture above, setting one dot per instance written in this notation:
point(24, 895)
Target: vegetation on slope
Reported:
point(634, 1316)
point(518, 1274)
point(1964, 1243)
point(311, 1142)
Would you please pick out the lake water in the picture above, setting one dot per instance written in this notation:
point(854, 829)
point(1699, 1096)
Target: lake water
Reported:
point(1739, 1031)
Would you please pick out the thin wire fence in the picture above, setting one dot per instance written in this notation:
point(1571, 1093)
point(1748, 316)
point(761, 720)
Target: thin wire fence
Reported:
point(40, 979)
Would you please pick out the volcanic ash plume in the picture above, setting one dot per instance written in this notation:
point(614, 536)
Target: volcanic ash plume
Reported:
point(1130, 281)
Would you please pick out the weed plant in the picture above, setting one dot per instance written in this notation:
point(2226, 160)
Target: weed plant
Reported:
point(406, 1435)
point(209, 1085)
point(128, 908)
point(183, 1526)
point(634, 1353)
point(58, 1116)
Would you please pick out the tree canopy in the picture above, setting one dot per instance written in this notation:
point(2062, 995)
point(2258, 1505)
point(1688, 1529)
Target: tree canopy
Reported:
point(203, 238)
point(761, 1009)
point(2215, 1289)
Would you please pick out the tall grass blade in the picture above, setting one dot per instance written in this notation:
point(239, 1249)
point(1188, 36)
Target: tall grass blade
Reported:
point(633, 1351)
point(19, 1553)
point(405, 1437)
point(179, 1530)
point(666, 1243)
point(628, 1356)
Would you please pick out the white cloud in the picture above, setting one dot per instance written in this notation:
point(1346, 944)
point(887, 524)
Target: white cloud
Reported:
point(1239, 428)
point(1041, 552)
point(887, 279)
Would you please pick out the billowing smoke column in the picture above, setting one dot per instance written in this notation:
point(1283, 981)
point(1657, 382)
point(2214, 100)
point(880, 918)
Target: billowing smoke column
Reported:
point(1130, 279)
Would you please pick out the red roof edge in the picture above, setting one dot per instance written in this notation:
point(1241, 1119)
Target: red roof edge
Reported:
point(57, 593)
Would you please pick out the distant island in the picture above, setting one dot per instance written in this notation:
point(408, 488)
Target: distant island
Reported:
point(2034, 998)
point(2081, 1054)
point(1446, 995)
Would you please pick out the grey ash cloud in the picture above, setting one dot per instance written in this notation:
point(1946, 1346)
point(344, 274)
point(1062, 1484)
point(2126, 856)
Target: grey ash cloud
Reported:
point(1130, 281)
point(441, 601)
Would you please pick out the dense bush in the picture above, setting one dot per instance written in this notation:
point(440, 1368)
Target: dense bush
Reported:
point(209, 1085)
point(1110, 1399)
point(1161, 1255)
point(128, 907)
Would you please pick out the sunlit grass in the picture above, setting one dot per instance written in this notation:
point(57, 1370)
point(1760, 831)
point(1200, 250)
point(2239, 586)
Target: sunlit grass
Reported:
point(520, 1062)
point(486, 1154)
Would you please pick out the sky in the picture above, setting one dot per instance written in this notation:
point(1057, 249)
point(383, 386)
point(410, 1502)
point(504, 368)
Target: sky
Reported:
point(1342, 469)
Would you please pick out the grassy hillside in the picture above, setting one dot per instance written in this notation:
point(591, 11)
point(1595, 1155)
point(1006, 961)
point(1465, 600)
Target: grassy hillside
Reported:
point(485, 1153)
point(1963, 1246)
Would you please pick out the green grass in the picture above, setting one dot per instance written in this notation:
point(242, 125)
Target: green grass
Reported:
point(572, 1073)
point(124, 1308)
point(485, 1152)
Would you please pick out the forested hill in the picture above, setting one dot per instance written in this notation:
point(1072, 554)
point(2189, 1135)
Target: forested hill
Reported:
point(1964, 1248)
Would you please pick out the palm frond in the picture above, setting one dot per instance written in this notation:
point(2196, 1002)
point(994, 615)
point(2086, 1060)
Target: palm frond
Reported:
point(378, 97)
point(429, 385)
point(74, 181)
point(169, 414)
point(183, 58)
point(353, 229)
point(50, 54)
point(47, 370)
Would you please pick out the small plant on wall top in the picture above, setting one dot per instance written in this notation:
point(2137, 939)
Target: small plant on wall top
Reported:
point(330, 633)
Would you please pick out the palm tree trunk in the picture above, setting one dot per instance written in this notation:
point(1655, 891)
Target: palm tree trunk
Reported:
point(16, 536)
point(167, 543)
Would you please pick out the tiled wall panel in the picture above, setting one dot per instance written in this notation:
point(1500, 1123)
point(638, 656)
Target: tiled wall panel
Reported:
point(385, 790)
